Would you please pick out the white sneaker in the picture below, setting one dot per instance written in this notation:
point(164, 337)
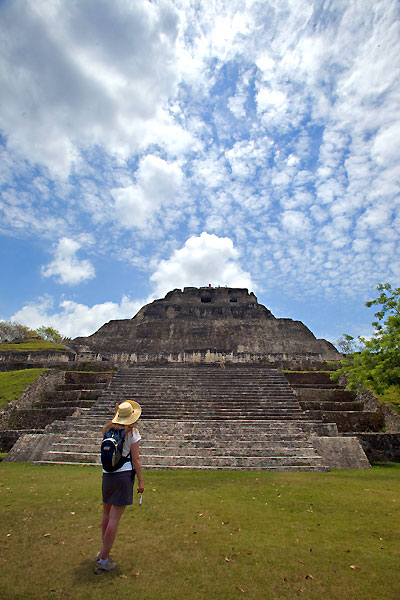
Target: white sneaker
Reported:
point(109, 565)
point(98, 556)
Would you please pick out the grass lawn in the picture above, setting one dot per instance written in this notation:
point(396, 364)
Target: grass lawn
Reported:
point(31, 346)
point(13, 383)
point(203, 535)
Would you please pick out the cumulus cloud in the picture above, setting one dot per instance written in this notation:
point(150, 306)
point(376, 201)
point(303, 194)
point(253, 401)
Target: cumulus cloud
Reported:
point(66, 267)
point(157, 183)
point(73, 319)
point(202, 260)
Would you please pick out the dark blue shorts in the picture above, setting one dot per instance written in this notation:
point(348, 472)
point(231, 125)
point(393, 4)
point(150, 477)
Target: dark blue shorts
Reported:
point(117, 488)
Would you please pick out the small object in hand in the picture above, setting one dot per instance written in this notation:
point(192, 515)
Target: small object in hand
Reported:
point(140, 499)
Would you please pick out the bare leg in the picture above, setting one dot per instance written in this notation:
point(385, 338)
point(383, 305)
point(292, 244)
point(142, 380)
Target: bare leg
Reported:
point(109, 527)
point(104, 521)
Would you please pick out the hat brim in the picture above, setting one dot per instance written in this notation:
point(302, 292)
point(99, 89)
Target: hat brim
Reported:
point(137, 411)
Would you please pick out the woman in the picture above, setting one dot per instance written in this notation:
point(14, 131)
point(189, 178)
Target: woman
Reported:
point(117, 487)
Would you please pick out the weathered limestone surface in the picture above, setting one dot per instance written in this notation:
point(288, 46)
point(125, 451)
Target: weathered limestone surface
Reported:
point(40, 358)
point(381, 446)
point(341, 452)
point(212, 322)
point(29, 447)
point(201, 417)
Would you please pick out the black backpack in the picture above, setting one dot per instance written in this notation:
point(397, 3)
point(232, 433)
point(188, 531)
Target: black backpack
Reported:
point(111, 449)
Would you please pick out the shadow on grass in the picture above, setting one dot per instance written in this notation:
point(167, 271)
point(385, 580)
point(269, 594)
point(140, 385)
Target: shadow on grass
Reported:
point(386, 465)
point(84, 573)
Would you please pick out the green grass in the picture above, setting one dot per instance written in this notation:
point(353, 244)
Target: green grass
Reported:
point(213, 534)
point(33, 345)
point(13, 383)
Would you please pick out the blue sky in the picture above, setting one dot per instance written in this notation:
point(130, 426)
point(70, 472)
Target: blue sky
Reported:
point(147, 146)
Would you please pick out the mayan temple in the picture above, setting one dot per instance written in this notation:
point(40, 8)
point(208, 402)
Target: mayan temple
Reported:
point(223, 384)
point(207, 324)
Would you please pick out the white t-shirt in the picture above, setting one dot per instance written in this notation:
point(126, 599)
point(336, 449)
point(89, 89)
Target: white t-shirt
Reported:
point(130, 439)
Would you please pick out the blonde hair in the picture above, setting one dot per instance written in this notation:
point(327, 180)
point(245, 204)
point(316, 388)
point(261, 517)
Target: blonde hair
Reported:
point(128, 428)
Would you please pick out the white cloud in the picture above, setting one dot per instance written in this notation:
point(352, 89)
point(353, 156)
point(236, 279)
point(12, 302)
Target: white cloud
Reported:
point(66, 266)
point(77, 75)
point(268, 99)
point(265, 63)
point(295, 222)
point(386, 146)
point(74, 319)
point(157, 184)
point(202, 260)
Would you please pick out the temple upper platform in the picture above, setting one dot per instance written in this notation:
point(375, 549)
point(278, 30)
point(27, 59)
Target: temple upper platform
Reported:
point(206, 324)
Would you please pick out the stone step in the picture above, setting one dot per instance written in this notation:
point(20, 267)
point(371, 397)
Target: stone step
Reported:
point(198, 430)
point(328, 395)
point(240, 420)
point(198, 467)
point(80, 403)
point(228, 376)
point(194, 404)
point(80, 386)
point(317, 386)
point(336, 406)
point(196, 409)
point(198, 418)
point(312, 378)
point(224, 461)
point(159, 373)
point(146, 389)
point(225, 437)
point(88, 378)
point(93, 422)
point(71, 395)
point(198, 451)
point(72, 444)
point(203, 397)
point(175, 460)
point(245, 384)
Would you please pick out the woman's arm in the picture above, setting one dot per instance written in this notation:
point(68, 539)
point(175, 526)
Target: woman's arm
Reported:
point(137, 465)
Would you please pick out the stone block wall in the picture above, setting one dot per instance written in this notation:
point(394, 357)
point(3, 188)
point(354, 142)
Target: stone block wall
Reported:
point(381, 447)
point(38, 418)
point(8, 438)
point(392, 419)
point(48, 357)
point(306, 361)
point(350, 421)
point(87, 378)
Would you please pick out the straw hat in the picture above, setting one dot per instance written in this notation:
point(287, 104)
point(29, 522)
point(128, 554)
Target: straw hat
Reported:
point(127, 413)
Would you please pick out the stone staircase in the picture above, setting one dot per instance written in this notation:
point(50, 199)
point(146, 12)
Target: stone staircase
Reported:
point(326, 401)
point(198, 417)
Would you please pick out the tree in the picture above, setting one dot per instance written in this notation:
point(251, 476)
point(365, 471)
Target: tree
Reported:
point(377, 365)
point(49, 334)
point(11, 331)
point(347, 344)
